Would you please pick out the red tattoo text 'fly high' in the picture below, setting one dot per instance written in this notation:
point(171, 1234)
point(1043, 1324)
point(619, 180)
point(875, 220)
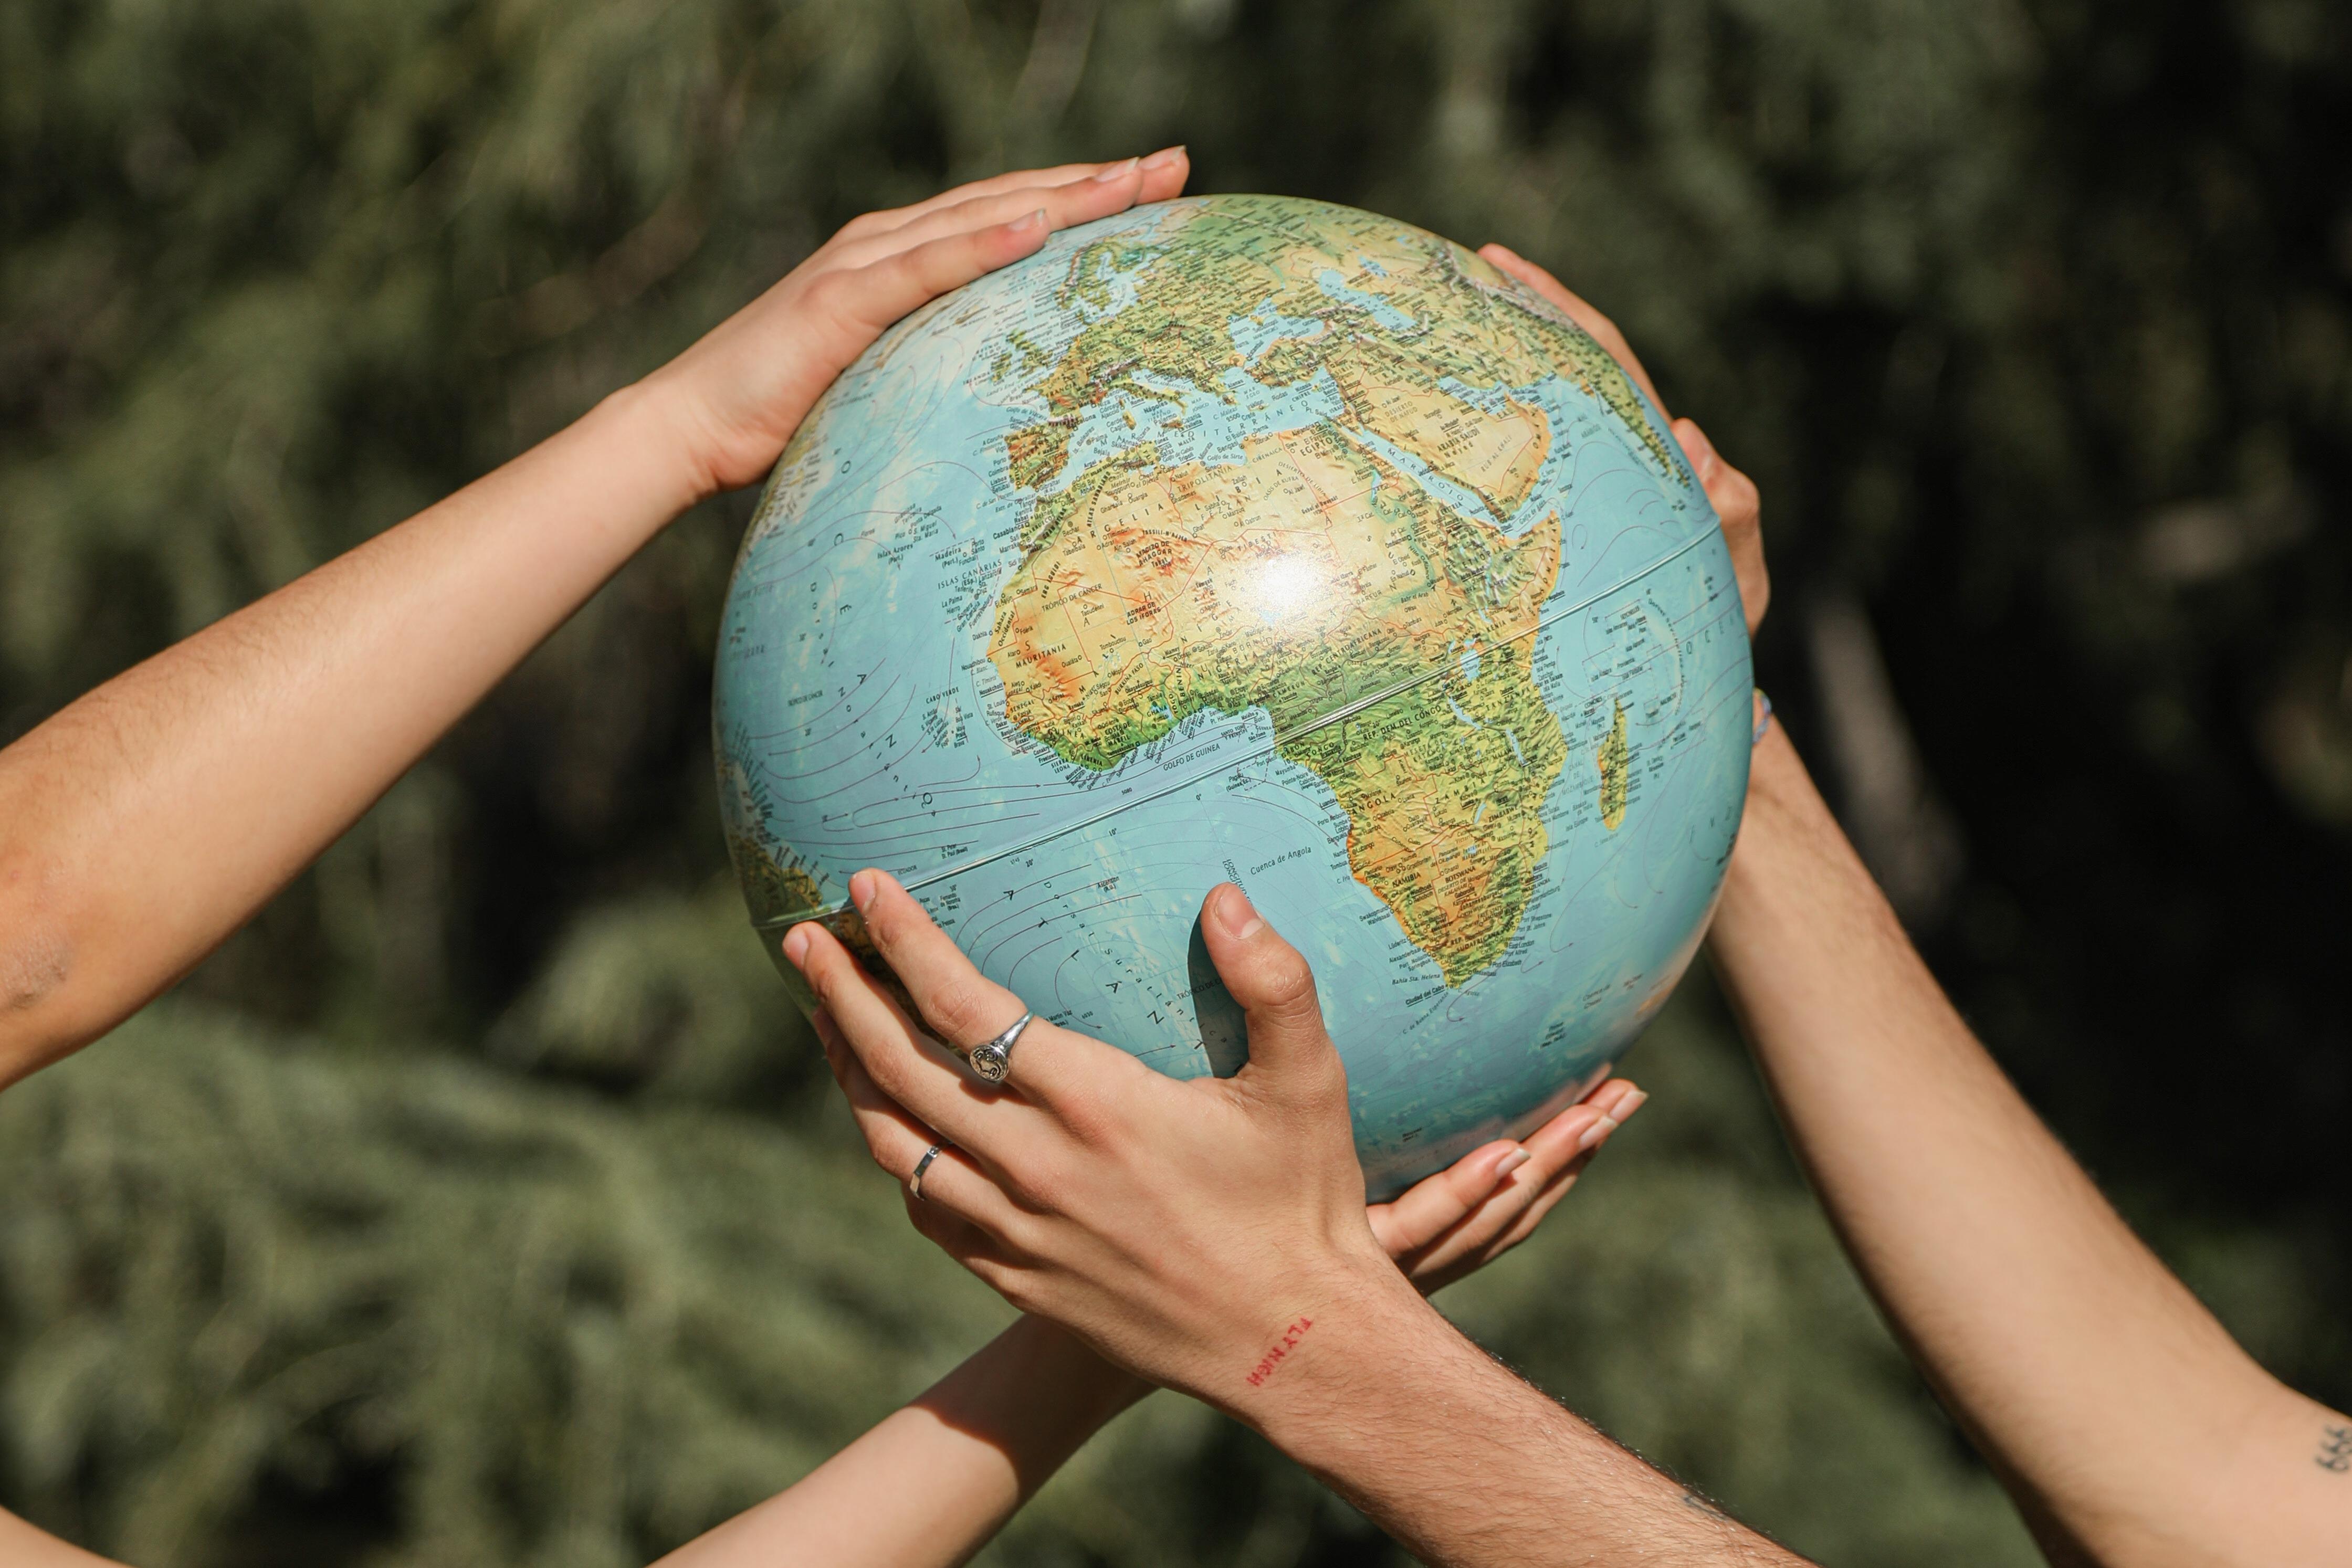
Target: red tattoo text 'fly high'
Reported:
point(1281, 1347)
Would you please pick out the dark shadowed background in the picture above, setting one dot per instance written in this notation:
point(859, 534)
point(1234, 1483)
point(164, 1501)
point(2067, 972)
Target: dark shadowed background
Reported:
point(485, 1204)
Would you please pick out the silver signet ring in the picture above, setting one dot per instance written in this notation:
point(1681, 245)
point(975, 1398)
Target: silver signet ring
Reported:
point(994, 1059)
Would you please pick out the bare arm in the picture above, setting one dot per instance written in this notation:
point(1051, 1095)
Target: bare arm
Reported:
point(2129, 1427)
point(1211, 1235)
point(149, 819)
point(974, 1448)
point(929, 1486)
point(1468, 1466)
point(26, 1547)
point(2133, 1431)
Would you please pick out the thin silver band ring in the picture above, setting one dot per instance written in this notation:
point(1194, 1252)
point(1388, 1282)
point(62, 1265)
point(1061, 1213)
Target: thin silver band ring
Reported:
point(915, 1182)
point(993, 1060)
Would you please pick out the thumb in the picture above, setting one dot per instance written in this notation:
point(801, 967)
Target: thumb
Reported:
point(1272, 984)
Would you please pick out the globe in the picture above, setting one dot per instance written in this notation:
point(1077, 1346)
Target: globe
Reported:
point(1253, 539)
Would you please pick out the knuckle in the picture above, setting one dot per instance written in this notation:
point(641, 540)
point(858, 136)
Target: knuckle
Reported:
point(869, 223)
point(888, 1071)
point(824, 978)
point(957, 1010)
point(1321, 1089)
point(1289, 983)
point(830, 291)
point(1088, 1123)
point(1037, 1183)
point(895, 270)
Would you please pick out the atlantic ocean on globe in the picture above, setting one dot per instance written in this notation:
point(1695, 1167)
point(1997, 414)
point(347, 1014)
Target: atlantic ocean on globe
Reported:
point(1253, 539)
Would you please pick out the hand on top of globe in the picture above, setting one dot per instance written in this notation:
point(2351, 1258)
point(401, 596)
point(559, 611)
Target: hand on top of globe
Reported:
point(739, 393)
point(1178, 1225)
point(1731, 493)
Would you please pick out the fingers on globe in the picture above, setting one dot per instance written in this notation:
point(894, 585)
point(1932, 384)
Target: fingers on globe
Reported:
point(953, 1183)
point(1558, 1152)
point(888, 289)
point(883, 220)
point(1562, 1148)
point(1541, 1179)
point(1272, 984)
point(1733, 494)
point(1695, 447)
point(1617, 1098)
point(1432, 1206)
point(1580, 309)
point(1546, 1198)
point(1082, 199)
point(1010, 183)
point(906, 1064)
point(959, 1005)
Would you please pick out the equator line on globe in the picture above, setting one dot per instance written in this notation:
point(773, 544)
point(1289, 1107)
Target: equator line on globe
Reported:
point(1251, 538)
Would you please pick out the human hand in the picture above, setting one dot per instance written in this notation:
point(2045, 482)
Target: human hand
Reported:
point(737, 395)
point(1732, 494)
point(1180, 1228)
point(1492, 1198)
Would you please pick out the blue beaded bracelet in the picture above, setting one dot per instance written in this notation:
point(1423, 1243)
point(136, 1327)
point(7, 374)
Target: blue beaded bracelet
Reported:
point(1763, 718)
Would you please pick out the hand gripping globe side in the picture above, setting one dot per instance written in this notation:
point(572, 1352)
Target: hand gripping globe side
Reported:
point(1253, 539)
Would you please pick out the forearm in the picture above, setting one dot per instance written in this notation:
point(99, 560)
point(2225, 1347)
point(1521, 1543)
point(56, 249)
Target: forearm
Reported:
point(146, 821)
point(1466, 1464)
point(929, 1485)
point(21, 1546)
point(2088, 1371)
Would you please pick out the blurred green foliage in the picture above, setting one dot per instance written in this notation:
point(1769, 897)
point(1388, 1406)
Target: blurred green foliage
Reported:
point(484, 1202)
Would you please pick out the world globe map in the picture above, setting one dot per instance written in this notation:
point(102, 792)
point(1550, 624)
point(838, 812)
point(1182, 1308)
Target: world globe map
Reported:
point(1254, 539)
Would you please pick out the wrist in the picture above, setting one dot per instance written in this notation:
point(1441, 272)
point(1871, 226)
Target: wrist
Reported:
point(1780, 792)
point(1037, 1387)
point(649, 419)
point(1044, 1354)
point(1317, 1359)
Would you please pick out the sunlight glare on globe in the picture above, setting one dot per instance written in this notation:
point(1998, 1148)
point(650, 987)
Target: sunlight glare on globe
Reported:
point(1290, 589)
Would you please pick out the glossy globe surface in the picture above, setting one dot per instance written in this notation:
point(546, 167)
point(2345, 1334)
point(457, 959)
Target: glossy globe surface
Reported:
point(1250, 538)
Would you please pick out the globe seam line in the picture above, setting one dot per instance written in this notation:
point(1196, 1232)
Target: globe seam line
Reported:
point(1281, 738)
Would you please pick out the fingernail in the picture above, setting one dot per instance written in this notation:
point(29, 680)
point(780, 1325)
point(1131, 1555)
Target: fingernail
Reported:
point(796, 943)
point(1595, 1134)
point(1628, 1105)
point(862, 889)
point(1023, 225)
point(1236, 914)
point(1119, 170)
point(1165, 156)
point(1510, 1162)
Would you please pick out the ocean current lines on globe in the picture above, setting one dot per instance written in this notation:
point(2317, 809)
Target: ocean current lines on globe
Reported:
point(1252, 538)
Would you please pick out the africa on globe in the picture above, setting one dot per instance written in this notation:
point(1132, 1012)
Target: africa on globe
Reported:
point(1256, 539)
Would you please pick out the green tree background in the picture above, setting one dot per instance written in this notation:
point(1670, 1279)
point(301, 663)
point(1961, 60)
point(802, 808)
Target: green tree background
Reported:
point(485, 1202)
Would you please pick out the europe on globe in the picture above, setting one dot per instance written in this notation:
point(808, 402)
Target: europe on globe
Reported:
point(1256, 539)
